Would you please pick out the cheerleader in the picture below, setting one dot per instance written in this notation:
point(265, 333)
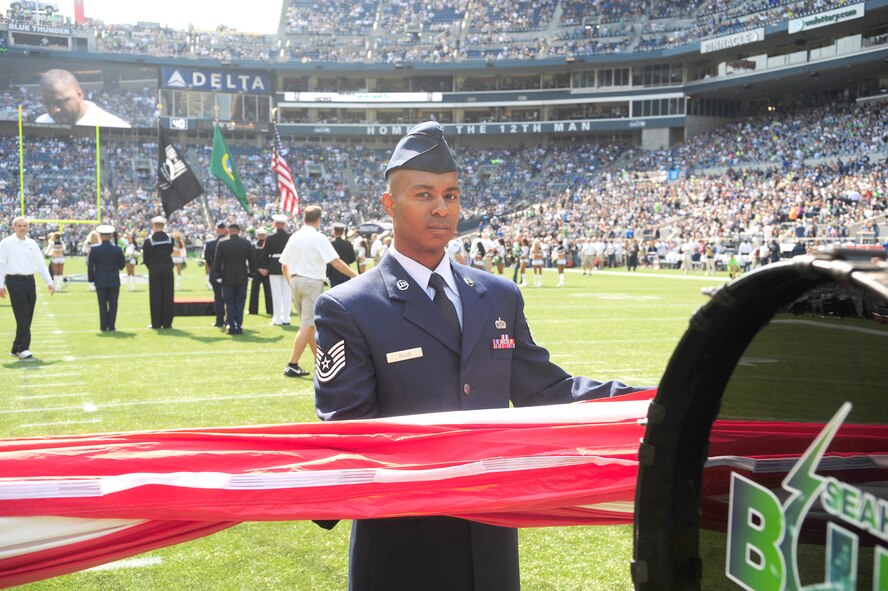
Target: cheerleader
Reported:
point(179, 254)
point(55, 250)
point(560, 255)
point(92, 239)
point(131, 254)
point(536, 261)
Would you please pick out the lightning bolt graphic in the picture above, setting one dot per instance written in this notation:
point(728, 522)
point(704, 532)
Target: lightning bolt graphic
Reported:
point(804, 486)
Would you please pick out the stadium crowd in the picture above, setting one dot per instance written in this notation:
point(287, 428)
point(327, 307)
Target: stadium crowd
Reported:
point(760, 180)
point(390, 31)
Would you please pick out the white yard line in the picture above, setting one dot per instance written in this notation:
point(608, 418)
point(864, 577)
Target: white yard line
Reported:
point(155, 354)
point(91, 407)
point(129, 563)
point(44, 396)
point(51, 385)
point(59, 423)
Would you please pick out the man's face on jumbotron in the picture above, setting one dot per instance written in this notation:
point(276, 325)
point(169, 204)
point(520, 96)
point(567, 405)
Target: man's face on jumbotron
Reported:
point(64, 102)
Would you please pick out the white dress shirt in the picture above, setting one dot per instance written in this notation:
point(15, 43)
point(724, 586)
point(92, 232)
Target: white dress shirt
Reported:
point(421, 274)
point(21, 257)
point(94, 115)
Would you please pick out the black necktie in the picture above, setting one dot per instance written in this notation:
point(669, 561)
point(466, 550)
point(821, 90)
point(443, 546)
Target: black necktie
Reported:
point(445, 306)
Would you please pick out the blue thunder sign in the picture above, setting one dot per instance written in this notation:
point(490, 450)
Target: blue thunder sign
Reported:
point(763, 530)
point(247, 81)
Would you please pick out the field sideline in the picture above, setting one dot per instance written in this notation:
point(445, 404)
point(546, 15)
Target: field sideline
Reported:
point(611, 325)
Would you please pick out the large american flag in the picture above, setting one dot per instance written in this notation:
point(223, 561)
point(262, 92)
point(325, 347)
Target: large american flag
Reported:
point(289, 195)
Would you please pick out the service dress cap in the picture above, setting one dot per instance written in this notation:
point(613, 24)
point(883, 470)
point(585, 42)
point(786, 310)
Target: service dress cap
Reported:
point(159, 219)
point(105, 229)
point(279, 218)
point(423, 148)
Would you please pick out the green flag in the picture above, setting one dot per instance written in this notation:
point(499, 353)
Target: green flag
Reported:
point(222, 167)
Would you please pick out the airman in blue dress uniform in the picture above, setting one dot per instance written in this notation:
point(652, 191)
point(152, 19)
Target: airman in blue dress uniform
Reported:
point(419, 334)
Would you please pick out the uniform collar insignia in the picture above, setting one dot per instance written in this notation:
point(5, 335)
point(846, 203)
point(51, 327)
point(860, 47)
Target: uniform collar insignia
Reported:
point(469, 281)
point(402, 285)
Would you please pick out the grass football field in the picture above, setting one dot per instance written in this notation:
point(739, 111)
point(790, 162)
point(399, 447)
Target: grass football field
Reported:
point(610, 325)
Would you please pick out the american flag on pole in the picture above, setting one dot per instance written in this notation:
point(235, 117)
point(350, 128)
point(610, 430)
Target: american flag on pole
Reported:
point(289, 195)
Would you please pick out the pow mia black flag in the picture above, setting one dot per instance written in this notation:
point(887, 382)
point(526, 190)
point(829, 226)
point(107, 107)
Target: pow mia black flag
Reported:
point(176, 183)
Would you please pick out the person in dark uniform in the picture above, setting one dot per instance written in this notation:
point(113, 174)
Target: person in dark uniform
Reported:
point(103, 267)
point(346, 252)
point(233, 261)
point(157, 255)
point(418, 334)
point(209, 254)
point(260, 278)
point(281, 295)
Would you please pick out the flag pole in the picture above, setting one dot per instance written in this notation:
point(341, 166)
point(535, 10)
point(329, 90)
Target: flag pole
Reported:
point(21, 163)
point(216, 109)
point(98, 175)
point(159, 148)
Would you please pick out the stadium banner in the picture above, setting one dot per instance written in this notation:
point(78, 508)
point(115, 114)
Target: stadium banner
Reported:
point(826, 18)
point(363, 97)
point(216, 80)
point(730, 41)
point(40, 29)
point(475, 129)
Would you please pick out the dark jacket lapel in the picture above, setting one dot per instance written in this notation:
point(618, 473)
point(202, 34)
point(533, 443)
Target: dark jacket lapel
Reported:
point(475, 311)
point(418, 306)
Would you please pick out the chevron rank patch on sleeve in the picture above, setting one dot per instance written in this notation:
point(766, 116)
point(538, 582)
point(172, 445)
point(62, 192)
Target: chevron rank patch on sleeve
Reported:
point(329, 363)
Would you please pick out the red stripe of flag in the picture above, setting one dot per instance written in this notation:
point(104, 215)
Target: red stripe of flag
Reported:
point(289, 195)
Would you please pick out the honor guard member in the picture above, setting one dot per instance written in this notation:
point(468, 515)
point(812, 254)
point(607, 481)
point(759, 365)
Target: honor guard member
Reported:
point(260, 277)
point(103, 266)
point(281, 295)
point(157, 255)
point(418, 334)
point(209, 255)
point(346, 252)
point(233, 263)
point(20, 259)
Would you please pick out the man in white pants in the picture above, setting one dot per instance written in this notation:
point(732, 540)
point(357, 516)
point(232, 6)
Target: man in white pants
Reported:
point(281, 296)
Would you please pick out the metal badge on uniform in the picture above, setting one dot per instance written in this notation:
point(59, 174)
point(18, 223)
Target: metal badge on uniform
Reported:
point(402, 285)
point(504, 342)
point(328, 364)
point(500, 324)
point(469, 281)
point(404, 355)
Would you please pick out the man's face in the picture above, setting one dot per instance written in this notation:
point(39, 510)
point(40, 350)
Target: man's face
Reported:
point(424, 207)
point(21, 229)
point(64, 103)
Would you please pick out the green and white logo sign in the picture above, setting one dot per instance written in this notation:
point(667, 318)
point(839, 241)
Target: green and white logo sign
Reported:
point(763, 534)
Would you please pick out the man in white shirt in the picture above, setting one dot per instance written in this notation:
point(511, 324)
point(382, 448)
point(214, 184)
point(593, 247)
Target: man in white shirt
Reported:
point(455, 249)
point(304, 262)
point(377, 248)
point(20, 258)
point(64, 102)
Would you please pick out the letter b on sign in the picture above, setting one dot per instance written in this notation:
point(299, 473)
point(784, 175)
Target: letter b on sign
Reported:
point(755, 530)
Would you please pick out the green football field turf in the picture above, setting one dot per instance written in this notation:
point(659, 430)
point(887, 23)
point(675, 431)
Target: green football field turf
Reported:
point(609, 325)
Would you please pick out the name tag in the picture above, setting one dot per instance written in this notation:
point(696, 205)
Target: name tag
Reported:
point(404, 355)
